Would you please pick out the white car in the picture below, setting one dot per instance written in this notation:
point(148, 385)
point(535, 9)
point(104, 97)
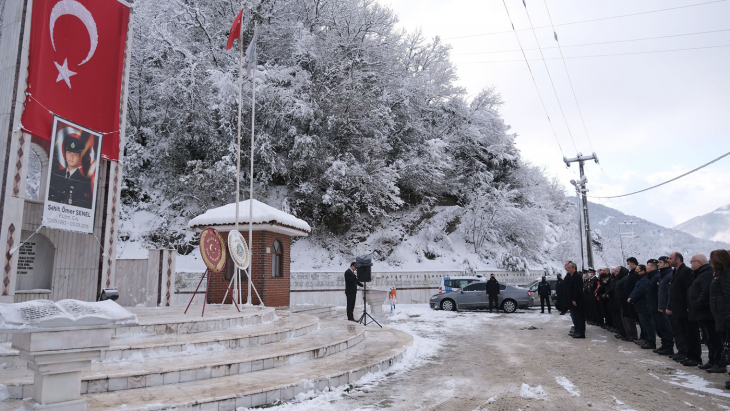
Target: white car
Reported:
point(458, 282)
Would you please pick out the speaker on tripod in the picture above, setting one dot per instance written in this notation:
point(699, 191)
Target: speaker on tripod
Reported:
point(363, 265)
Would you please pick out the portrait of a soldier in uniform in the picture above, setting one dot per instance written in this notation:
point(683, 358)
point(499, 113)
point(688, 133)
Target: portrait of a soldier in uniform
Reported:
point(73, 167)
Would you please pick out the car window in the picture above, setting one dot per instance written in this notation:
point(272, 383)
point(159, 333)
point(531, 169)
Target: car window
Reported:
point(480, 286)
point(457, 283)
point(502, 287)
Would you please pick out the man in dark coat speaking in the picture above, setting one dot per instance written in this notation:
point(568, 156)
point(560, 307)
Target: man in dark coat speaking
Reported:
point(351, 284)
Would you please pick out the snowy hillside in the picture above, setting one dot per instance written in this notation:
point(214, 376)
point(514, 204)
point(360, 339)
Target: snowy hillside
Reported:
point(712, 226)
point(651, 240)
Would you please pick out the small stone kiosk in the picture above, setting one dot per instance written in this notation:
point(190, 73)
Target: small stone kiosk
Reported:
point(271, 251)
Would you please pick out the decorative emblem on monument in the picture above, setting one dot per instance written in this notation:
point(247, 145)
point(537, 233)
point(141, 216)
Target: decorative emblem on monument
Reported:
point(213, 249)
point(238, 249)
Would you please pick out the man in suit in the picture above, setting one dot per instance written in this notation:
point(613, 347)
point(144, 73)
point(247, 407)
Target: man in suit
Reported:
point(576, 301)
point(351, 284)
point(685, 331)
point(70, 185)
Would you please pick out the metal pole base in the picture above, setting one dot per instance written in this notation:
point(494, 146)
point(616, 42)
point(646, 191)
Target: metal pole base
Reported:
point(364, 317)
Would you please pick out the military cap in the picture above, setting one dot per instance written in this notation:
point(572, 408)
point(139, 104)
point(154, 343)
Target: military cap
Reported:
point(664, 258)
point(653, 261)
point(72, 144)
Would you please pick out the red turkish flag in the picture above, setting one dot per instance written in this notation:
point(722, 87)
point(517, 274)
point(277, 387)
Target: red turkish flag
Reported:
point(235, 30)
point(75, 67)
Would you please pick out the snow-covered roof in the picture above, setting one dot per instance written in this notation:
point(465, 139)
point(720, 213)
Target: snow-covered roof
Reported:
point(264, 217)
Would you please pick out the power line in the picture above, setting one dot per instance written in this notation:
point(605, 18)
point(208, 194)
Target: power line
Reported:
point(597, 43)
point(570, 133)
point(591, 20)
point(603, 55)
point(668, 181)
point(533, 80)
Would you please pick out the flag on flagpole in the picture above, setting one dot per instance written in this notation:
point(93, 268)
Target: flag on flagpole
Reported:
point(251, 51)
point(235, 30)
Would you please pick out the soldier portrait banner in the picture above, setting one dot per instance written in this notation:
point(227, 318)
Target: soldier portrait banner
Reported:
point(72, 178)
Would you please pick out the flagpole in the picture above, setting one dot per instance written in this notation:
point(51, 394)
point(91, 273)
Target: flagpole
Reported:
point(250, 197)
point(238, 156)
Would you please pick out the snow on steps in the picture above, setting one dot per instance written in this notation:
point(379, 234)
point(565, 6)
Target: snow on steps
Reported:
point(166, 345)
point(332, 337)
point(321, 311)
point(383, 348)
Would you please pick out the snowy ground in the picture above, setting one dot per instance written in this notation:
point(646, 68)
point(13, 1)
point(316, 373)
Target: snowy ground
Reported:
point(525, 361)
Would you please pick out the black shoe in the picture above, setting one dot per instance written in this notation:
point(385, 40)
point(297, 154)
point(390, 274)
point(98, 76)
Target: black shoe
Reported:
point(647, 346)
point(666, 351)
point(562, 313)
point(542, 312)
point(579, 336)
point(572, 329)
point(706, 366)
point(717, 368)
point(619, 336)
point(626, 339)
point(655, 350)
point(727, 385)
point(691, 363)
point(680, 357)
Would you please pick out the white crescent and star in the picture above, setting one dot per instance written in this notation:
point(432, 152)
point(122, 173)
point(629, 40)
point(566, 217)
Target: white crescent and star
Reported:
point(73, 8)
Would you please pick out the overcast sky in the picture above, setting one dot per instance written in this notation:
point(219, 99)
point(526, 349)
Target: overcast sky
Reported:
point(649, 116)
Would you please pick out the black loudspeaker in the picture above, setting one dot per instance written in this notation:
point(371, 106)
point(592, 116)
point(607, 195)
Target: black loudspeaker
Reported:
point(363, 274)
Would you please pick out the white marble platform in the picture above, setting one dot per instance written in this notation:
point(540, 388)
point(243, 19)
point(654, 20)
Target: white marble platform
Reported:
point(332, 337)
point(175, 361)
point(384, 348)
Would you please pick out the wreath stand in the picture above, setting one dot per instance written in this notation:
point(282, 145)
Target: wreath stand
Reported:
point(207, 274)
point(236, 286)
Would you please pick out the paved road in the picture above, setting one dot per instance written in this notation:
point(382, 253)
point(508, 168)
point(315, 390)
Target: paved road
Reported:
point(480, 361)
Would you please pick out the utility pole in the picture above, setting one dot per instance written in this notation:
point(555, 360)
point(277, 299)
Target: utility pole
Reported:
point(578, 188)
point(581, 159)
point(626, 234)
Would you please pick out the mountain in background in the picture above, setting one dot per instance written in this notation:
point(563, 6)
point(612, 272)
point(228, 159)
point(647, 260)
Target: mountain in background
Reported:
point(650, 240)
point(712, 226)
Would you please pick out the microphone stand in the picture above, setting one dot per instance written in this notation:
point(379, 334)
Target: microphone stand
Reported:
point(364, 317)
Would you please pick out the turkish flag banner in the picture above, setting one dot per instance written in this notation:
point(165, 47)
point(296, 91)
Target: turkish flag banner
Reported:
point(75, 67)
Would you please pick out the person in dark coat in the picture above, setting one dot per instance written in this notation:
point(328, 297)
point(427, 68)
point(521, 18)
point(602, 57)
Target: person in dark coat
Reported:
point(544, 291)
point(577, 302)
point(604, 282)
point(698, 297)
point(614, 296)
point(560, 295)
point(640, 299)
point(664, 326)
point(686, 332)
point(570, 271)
point(720, 294)
point(493, 292)
point(628, 315)
point(351, 284)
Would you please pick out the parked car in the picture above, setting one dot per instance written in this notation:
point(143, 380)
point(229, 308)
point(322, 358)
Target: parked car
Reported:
point(458, 282)
point(474, 296)
point(553, 281)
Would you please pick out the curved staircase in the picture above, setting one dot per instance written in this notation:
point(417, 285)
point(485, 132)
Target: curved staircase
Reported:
point(220, 362)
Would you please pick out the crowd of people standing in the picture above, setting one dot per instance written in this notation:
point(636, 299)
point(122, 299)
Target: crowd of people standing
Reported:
point(660, 305)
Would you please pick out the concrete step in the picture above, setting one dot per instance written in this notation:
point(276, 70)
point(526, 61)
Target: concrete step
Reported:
point(166, 345)
point(172, 320)
point(381, 349)
point(332, 337)
point(321, 311)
